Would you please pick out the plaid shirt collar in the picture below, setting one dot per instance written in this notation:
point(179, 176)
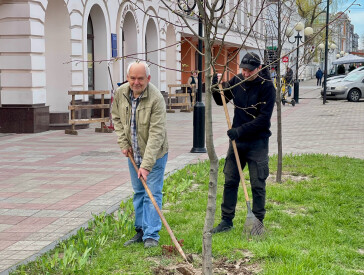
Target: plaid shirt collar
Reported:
point(134, 131)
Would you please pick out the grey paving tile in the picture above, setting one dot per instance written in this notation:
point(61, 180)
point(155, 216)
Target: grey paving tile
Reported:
point(36, 236)
point(18, 246)
point(4, 254)
point(21, 255)
point(21, 212)
point(51, 213)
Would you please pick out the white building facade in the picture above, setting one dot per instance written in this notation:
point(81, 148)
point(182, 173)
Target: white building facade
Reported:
point(289, 19)
point(48, 48)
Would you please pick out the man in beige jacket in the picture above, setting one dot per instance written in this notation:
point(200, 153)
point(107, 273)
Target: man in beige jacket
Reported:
point(139, 116)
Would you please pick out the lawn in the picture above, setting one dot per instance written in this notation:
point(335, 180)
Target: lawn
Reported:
point(314, 225)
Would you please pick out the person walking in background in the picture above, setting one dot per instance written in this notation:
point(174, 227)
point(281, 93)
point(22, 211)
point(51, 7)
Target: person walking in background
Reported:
point(193, 81)
point(288, 78)
point(319, 75)
point(139, 116)
point(254, 99)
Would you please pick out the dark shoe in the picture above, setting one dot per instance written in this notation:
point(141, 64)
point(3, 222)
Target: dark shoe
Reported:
point(148, 243)
point(138, 238)
point(224, 226)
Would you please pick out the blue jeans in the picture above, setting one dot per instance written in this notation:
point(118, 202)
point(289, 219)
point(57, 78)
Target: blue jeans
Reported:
point(289, 90)
point(146, 217)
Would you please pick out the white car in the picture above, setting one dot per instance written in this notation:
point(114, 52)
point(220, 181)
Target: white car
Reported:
point(351, 87)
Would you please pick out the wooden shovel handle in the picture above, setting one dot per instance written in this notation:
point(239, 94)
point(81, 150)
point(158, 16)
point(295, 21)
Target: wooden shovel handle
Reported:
point(234, 145)
point(164, 221)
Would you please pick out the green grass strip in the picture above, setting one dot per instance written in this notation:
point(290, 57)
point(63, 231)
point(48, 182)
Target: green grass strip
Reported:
point(314, 225)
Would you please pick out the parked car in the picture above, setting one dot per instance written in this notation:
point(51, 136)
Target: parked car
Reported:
point(336, 77)
point(350, 87)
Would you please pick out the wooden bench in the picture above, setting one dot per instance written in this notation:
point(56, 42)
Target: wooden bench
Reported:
point(185, 105)
point(73, 107)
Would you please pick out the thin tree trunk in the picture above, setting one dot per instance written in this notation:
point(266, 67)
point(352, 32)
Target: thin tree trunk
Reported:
point(214, 166)
point(278, 99)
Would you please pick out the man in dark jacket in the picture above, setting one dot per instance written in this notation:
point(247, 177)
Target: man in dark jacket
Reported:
point(253, 95)
point(319, 75)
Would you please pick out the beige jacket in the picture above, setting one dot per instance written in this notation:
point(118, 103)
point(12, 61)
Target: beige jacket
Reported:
point(150, 119)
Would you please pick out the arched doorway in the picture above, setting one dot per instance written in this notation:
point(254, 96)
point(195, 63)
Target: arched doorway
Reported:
point(151, 50)
point(97, 42)
point(129, 41)
point(57, 53)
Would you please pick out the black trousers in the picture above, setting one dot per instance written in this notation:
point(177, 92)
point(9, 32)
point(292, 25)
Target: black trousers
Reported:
point(255, 153)
point(189, 90)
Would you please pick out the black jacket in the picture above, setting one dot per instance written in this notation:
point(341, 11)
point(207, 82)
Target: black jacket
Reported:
point(254, 103)
point(288, 77)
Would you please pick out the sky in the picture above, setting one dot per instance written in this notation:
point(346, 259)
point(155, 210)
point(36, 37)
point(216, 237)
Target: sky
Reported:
point(356, 16)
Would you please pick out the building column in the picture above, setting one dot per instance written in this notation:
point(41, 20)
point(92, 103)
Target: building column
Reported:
point(22, 68)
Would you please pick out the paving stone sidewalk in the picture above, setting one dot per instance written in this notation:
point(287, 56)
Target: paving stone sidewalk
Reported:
point(52, 183)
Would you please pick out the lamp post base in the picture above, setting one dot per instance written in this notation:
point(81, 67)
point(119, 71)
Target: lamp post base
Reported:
point(296, 91)
point(198, 128)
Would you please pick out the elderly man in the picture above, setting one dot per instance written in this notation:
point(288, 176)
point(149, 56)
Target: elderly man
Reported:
point(139, 116)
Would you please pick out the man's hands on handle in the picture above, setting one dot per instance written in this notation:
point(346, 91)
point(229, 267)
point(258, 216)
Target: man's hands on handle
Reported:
point(233, 133)
point(126, 151)
point(141, 172)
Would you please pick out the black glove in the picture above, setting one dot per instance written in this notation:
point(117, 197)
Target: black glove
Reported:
point(233, 133)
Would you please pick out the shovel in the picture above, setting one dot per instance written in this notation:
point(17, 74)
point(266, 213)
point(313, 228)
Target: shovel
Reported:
point(252, 225)
point(174, 240)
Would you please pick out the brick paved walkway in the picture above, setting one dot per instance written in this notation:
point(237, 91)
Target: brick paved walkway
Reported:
point(52, 183)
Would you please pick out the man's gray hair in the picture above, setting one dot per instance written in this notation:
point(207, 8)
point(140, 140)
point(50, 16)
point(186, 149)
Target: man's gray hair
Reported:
point(147, 70)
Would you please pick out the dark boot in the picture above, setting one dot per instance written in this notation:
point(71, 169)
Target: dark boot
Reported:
point(138, 238)
point(148, 243)
point(223, 226)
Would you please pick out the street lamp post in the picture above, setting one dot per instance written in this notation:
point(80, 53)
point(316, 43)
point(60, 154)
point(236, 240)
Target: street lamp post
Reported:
point(298, 38)
point(199, 108)
point(332, 47)
point(326, 49)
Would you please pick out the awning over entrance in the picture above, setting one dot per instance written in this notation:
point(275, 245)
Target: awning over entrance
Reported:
point(351, 58)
